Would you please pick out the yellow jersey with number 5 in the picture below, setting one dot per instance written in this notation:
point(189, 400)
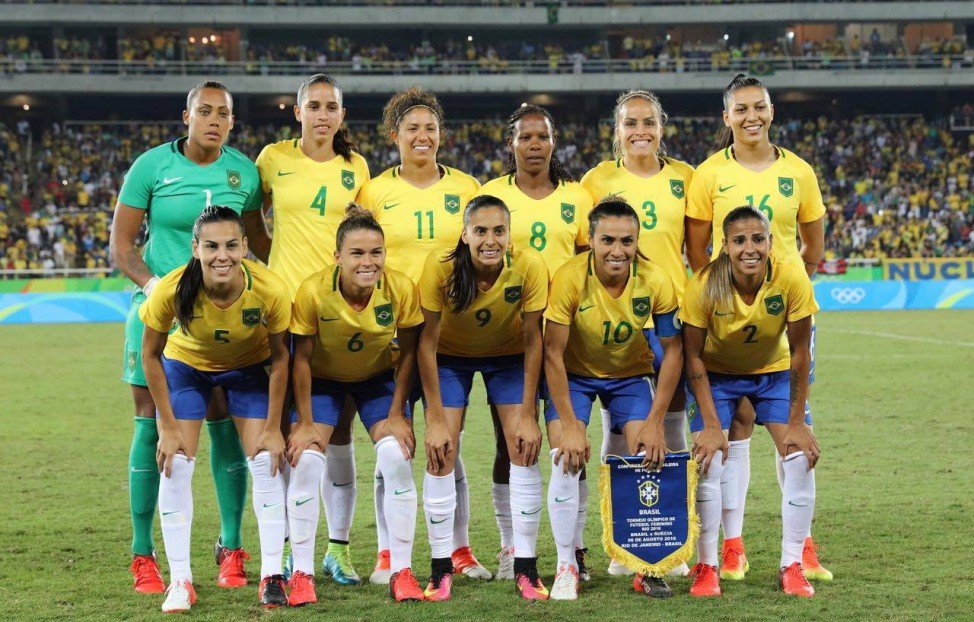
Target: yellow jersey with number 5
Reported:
point(418, 221)
point(750, 338)
point(661, 203)
point(309, 200)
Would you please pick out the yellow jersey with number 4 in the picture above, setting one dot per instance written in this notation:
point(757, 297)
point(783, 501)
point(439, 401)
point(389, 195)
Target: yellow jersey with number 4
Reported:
point(787, 192)
point(605, 337)
point(418, 221)
point(750, 338)
point(353, 345)
point(221, 339)
point(493, 324)
point(554, 226)
point(659, 200)
point(309, 200)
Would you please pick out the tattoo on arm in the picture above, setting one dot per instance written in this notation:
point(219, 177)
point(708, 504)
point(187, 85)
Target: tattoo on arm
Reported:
point(695, 376)
point(796, 378)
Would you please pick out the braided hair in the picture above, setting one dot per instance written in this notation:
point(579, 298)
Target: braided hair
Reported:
point(556, 171)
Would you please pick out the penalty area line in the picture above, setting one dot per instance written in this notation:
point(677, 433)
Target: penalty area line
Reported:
point(939, 342)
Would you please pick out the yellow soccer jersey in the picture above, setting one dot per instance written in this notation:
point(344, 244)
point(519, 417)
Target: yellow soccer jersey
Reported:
point(553, 226)
point(493, 325)
point(418, 222)
point(787, 192)
point(751, 339)
point(353, 345)
point(309, 200)
point(659, 200)
point(222, 339)
point(605, 338)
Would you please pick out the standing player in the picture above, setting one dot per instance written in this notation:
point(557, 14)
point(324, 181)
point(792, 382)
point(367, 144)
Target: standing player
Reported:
point(482, 305)
point(742, 314)
point(216, 323)
point(642, 175)
point(308, 181)
point(345, 320)
point(599, 304)
point(550, 212)
point(419, 206)
point(167, 187)
point(750, 170)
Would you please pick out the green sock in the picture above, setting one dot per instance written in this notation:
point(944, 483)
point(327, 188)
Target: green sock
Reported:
point(229, 466)
point(143, 484)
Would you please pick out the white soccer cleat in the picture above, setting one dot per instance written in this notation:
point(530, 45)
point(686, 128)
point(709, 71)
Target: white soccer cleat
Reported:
point(680, 571)
point(618, 570)
point(505, 564)
point(565, 586)
point(179, 597)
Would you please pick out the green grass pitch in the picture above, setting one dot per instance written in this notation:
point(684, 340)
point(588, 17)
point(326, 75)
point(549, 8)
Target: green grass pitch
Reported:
point(894, 516)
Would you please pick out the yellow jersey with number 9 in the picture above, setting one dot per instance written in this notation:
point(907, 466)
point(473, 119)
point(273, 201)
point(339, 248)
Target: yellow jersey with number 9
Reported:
point(605, 337)
point(750, 338)
point(659, 200)
point(787, 192)
point(418, 221)
point(553, 226)
point(221, 339)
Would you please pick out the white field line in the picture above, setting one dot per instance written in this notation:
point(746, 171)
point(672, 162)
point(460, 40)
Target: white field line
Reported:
point(941, 342)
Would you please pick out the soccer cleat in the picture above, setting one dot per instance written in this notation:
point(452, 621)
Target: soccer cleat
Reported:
point(505, 563)
point(338, 564)
point(705, 581)
point(439, 587)
point(583, 574)
point(733, 563)
point(301, 589)
point(565, 586)
point(179, 597)
point(403, 587)
point(794, 583)
point(529, 585)
point(465, 562)
point(146, 575)
point(231, 561)
point(618, 570)
point(810, 565)
point(654, 587)
point(380, 574)
point(271, 592)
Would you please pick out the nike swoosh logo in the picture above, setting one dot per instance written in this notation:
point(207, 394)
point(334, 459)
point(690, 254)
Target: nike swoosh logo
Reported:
point(168, 513)
point(725, 188)
point(270, 505)
point(337, 485)
point(282, 173)
point(530, 513)
point(437, 522)
point(328, 319)
point(144, 471)
point(581, 309)
point(461, 479)
point(397, 491)
point(722, 314)
point(301, 501)
point(798, 505)
point(389, 205)
point(236, 467)
point(166, 180)
point(560, 500)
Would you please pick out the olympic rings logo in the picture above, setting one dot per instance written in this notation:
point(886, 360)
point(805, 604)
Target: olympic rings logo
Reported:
point(848, 295)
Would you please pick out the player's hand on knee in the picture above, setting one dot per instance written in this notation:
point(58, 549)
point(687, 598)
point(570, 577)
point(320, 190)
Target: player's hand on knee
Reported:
point(271, 441)
point(801, 438)
point(708, 443)
point(302, 436)
point(170, 443)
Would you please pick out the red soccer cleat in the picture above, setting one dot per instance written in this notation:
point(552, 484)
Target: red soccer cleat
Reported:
point(404, 587)
point(232, 572)
point(464, 562)
point(145, 572)
point(382, 570)
point(812, 568)
point(794, 583)
point(706, 583)
point(301, 589)
point(733, 563)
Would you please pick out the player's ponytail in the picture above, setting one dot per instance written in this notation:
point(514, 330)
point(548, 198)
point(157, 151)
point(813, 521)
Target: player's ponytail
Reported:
point(342, 141)
point(725, 138)
point(191, 280)
point(461, 285)
point(556, 170)
point(718, 275)
point(356, 218)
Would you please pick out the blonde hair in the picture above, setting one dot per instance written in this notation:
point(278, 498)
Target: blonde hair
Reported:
point(623, 99)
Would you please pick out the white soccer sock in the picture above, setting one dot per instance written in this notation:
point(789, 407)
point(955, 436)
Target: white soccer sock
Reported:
point(400, 499)
point(176, 516)
point(612, 444)
point(780, 472)
point(338, 490)
point(440, 504)
point(582, 515)
point(708, 508)
point(269, 505)
point(734, 482)
point(525, 504)
point(675, 430)
point(797, 506)
point(378, 499)
point(563, 510)
point(303, 509)
point(461, 517)
point(501, 494)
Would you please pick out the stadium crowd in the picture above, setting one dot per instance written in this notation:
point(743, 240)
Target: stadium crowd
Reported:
point(55, 202)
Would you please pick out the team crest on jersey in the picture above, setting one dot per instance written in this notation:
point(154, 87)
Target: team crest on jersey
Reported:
point(786, 186)
point(648, 493)
point(451, 203)
point(233, 180)
point(383, 314)
point(676, 187)
point(568, 213)
point(251, 317)
point(640, 306)
point(774, 304)
point(348, 179)
point(512, 294)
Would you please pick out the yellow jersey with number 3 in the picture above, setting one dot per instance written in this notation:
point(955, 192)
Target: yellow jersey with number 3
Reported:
point(659, 200)
point(353, 345)
point(493, 324)
point(554, 226)
point(309, 200)
point(750, 338)
point(221, 339)
point(418, 221)
point(605, 337)
point(787, 192)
